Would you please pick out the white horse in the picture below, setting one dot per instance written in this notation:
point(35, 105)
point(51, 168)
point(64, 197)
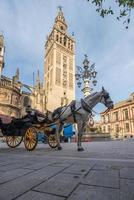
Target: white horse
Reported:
point(79, 112)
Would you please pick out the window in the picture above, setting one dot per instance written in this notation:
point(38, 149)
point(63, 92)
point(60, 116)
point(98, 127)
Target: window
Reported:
point(65, 41)
point(57, 38)
point(108, 118)
point(51, 60)
point(58, 57)
point(26, 101)
point(109, 129)
point(61, 40)
point(117, 128)
point(51, 77)
point(58, 76)
point(47, 85)
point(103, 119)
point(104, 129)
point(71, 47)
point(62, 28)
point(70, 80)
point(116, 116)
point(127, 127)
point(71, 64)
point(126, 113)
point(64, 59)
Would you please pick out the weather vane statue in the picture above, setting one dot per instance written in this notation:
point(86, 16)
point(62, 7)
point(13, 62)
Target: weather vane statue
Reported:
point(60, 8)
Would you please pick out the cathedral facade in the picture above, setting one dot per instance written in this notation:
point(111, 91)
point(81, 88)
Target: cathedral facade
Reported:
point(15, 96)
point(58, 86)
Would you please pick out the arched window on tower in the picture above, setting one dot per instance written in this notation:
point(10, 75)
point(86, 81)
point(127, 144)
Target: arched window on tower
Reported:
point(62, 28)
point(57, 38)
point(71, 47)
point(65, 41)
point(61, 40)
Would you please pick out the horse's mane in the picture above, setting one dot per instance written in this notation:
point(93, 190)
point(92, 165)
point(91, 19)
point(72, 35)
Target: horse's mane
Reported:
point(91, 95)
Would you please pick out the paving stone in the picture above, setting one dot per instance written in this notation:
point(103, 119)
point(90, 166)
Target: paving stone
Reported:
point(126, 189)
point(107, 166)
point(7, 176)
point(61, 164)
point(78, 169)
point(61, 184)
point(86, 192)
point(127, 173)
point(12, 166)
point(114, 164)
point(37, 163)
point(20, 185)
point(108, 178)
point(32, 195)
point(85, 162)
point(36, 166)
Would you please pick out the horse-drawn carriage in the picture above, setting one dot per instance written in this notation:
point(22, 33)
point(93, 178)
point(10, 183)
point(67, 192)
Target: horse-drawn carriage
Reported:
point(26, 129)
point(78, 112)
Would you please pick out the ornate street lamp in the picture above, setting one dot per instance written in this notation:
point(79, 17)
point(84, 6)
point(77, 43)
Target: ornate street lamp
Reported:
point(85, 74)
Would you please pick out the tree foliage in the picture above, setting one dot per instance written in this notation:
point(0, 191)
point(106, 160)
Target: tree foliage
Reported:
point(125, 7)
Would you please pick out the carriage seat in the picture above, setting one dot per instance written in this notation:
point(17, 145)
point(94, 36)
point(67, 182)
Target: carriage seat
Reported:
point(19, 120)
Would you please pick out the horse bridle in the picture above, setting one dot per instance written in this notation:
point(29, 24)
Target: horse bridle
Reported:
point(105, 96)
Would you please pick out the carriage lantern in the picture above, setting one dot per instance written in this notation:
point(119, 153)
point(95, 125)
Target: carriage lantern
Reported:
point(86, 74)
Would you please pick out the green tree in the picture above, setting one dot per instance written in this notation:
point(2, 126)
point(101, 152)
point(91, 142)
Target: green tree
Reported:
point(123, 11)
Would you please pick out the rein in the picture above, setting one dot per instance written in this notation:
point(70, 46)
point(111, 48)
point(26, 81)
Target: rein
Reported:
point(66, 107)
point(86, 107)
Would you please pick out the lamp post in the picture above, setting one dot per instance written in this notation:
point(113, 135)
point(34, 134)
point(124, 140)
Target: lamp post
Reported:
point(85, 74)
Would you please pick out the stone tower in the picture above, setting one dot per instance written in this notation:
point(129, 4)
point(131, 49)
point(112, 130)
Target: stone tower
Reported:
point(59, 73)
point(1, 54)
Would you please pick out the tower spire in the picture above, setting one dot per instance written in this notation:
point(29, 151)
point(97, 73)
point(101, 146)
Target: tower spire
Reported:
point(37, 84)
point(2, 50)
point(60, 8)
point(60, 19)
point(17, 73)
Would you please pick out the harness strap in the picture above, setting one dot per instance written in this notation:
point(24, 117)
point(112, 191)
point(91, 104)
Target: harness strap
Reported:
point(85, 106)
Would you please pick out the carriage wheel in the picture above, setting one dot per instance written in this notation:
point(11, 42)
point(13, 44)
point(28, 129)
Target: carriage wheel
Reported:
point(13, 141)
point(52, 141)
point(30, 139)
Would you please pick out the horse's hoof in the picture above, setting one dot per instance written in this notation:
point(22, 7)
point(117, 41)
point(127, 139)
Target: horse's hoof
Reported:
point(59, 148)
point(80, 149)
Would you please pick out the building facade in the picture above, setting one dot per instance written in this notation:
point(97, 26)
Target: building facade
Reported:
point(119, 121)
point(59, 66)
point(15, 96)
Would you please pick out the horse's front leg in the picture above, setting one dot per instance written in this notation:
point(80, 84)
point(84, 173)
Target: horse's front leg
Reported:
point(80, 133)
point(59, 129)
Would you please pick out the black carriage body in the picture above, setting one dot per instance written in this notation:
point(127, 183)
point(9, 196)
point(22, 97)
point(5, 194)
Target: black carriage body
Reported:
point(17, 127)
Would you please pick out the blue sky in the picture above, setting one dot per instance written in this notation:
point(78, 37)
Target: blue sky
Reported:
point(26, 24)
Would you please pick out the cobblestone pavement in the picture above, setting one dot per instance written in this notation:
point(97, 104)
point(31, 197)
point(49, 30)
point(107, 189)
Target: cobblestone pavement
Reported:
point(104, 171)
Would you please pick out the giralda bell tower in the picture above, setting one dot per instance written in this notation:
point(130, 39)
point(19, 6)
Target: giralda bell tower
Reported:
point(59, 65)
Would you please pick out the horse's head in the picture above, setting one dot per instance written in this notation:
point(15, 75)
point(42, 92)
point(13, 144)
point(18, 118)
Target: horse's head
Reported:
point(105, 99)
